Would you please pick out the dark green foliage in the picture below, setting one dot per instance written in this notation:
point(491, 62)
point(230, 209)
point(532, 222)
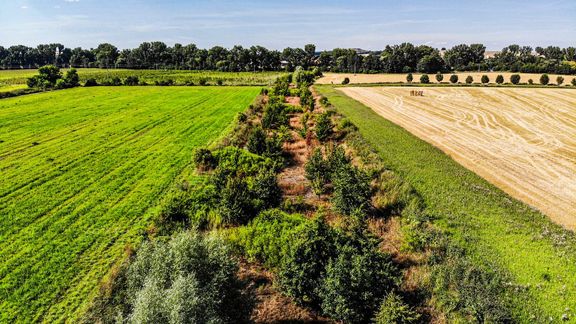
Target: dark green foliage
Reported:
point(274, 116)
point(574, 82)
point(337, 159)
point(544, 79)
point(424, 78)
point(301, 271)
point(131, 81)
point(189, 279)
point(485, 79)
point(236, 202)
point(203, 82)
point(499, 79)
point(46, 79)
point(346, 80)
point(219, 82)
point(559, 80)
point(265, 190)
point(203, 159)
point(469, 79)
point(394, 311)
point(454, 78)
point(90, 83)
point(515, 78)
point(257, 141)
point(306, 98)
point(439, 77)
point(323, 127)
point(352, 191)
point(71, 79)
point(356, 281)
point(317, 171)
point(409, 77)
point(530, 81)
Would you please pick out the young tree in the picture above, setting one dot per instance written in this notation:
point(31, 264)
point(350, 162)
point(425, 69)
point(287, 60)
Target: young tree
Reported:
point(469, 79)
point(499, 79)
point(323, 127)
point(515, 78)
point(559, 80)
point(409, 77)
point(454, 78)
point(317, 171)
point(47, 77)
point(544, 79)
point(71, 79)
point(485, 79)
point(439, 77)
point(257, 141)
point(352, 191)
point(574, 82)
point(424, 78)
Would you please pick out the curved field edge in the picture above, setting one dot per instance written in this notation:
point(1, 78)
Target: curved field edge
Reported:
point(539, 255)
point(85, 170)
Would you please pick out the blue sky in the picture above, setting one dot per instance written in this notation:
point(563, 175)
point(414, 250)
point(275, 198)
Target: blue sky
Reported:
point(366, 24)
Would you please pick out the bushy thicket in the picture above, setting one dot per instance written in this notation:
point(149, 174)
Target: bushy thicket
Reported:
point(50, 77)
point(341, 274)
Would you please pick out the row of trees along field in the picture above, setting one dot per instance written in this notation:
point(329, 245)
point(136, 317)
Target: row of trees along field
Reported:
point(402, 58)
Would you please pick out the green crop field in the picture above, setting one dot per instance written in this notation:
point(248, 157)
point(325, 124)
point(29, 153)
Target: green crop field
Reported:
point(181, 77)
point(539, 255)
point(83, 171)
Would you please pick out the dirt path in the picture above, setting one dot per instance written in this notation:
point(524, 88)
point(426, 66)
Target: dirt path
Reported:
point(521, 140)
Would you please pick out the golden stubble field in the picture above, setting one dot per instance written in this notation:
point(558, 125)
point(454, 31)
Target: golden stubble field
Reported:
point(337, 78)
point(521, 140)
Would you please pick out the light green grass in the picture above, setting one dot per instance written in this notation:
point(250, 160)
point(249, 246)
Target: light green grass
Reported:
point(14, 77)
point(538, 254)
point(82, 173)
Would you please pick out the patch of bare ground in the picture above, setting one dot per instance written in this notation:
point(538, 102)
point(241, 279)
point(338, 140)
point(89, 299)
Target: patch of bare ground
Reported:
point(272, 306)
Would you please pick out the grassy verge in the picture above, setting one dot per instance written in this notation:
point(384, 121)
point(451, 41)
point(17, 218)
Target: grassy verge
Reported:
point(539, 255)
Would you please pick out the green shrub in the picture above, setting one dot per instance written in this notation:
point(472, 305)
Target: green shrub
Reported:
point(352, 191)
point(71, 79)
point(274, 116)
point(188, 279)
point(131, 81)
point(91, 82)
point(337, 159)
point(323, 127)
point(439, 77)
point(317, 171)
point(346, 80)
point(469, 79)
point(559, 80)
point(499, 79)
point(530, 81)
point(485, 79)
point(236, 202)
point(515, 78)
point(424, 78)
point(346, 124)
point(356, 281)
point(544, 79)
point(454, 78)
point(409, 77)
point(302, 269)
point(574, 82)
point(265, 190)
point(203, 159)
point(306, 98)
point(257, 141)
point(394, 311)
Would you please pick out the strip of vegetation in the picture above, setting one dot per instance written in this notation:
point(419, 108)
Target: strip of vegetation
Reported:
point(515, 245)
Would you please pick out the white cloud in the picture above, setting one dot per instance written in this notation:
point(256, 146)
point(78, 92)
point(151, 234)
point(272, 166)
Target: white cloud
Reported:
point(24, 7)
point(72, 0)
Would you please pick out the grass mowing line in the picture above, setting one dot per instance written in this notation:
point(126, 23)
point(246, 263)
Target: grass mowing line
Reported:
point(540, 255)
point(60, 258)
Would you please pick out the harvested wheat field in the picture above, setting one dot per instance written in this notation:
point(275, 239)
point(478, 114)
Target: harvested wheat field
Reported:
point(521, 140)
point(337, 78)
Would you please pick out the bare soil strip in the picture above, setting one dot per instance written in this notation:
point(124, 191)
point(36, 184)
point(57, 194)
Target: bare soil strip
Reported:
point(521, 140)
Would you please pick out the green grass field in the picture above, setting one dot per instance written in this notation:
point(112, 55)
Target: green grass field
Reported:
point(538, 254)
point(83, 171)
point(18, 77)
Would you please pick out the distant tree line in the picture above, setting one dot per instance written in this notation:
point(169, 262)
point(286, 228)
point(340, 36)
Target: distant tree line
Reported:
point(402, 58)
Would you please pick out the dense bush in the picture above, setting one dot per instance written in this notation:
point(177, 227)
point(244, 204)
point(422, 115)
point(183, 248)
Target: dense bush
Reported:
point(50, 77)
point(257, 141)
point(485, 79)
point(559, 80)
point(409, 77)
point(317, 171)
point(337, 159)
point(306, 98)
point(323, 127)
point(131, 81)
point(439, 77)
point(203, 159)
point(424, 78)
point(544, 79)
point(356, 281)
point(346, 80)
point(394, 311)
point(469, 79)
point(90, 83)
point(265, 190)
point(515, 78)
point(189, 279)
point(454, 78)
point(499, 79)
point(352, 191)
point(274, 116)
